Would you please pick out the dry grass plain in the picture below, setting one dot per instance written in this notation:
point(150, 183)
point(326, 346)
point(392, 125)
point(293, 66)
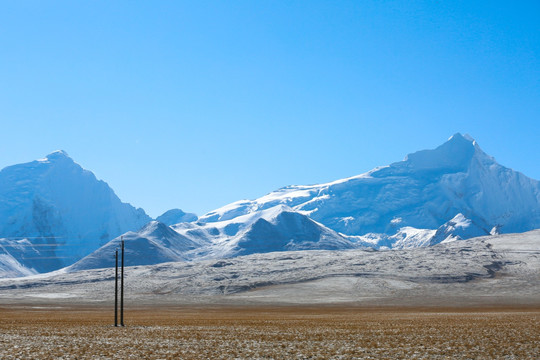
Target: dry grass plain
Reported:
point(270, 333)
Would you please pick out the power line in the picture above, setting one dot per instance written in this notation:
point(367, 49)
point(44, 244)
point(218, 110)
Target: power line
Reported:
point(32, 237)
point(47, 257)
point(37, 245)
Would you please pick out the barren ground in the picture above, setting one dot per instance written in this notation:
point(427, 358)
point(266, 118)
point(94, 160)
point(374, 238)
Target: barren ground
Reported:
point(53, 332)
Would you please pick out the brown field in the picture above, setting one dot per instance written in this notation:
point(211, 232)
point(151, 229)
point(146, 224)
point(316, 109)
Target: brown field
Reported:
point(270, 333)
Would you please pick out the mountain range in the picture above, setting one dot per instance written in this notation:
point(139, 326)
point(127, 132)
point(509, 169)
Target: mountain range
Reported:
point(54, 214)
point(424, 191)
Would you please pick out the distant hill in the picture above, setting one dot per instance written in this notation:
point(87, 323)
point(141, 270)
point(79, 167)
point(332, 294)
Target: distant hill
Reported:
point(153, 244)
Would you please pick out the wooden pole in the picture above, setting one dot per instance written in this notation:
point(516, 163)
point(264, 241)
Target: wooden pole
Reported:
point(116, 290)
point(122, 287)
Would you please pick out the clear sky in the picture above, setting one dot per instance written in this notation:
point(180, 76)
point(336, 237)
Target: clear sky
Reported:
point(195, 104)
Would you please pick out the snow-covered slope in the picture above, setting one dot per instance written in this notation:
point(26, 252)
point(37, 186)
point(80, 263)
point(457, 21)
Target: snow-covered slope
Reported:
point(175, 216)
point(275, 229)
point(10, 267)
point(12, 249)
point(496, 270)
point(417, 195)
point(61, 209)
point(407, 237)
point(153, 244)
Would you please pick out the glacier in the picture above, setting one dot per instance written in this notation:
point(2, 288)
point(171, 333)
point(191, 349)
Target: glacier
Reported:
point(422, 193)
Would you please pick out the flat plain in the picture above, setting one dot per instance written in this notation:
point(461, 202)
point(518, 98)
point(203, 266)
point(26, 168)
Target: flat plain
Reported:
point(256, 332)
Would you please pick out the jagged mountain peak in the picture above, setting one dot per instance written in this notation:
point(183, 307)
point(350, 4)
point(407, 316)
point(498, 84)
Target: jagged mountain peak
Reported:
point(55, 156)
point(452, 156)
point(58, 154)
point(459, 137)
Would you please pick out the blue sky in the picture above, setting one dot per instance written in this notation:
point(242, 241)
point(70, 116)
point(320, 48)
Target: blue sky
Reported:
point(200, 103)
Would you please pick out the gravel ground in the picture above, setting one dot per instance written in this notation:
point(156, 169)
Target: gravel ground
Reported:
point(270, 333)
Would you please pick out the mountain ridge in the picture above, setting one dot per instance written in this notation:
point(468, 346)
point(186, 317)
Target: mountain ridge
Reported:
point(453, 192)
point(425, 190)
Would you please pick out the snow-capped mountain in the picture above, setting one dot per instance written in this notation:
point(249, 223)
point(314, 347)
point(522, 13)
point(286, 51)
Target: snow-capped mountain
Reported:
point(454, 192)
point(53, 213)
point(416, 196)
point(175, 216)
point(153, 244)
point(276, 229)
point(62, 211)
point(286, 230)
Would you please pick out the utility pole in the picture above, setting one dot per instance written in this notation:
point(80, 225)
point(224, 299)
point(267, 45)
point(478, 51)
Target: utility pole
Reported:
point(122, 287)
point(116, 291)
